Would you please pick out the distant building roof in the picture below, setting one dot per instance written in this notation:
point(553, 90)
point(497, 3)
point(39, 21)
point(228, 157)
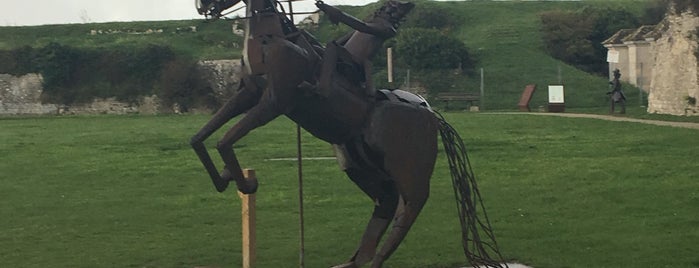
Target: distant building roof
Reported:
point(618, 37)
point(658, 30)
point(639, 34)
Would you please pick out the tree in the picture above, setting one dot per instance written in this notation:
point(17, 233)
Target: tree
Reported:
point(575, 37)
point(607, 23)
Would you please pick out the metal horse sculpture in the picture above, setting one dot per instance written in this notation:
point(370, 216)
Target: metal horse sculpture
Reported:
point(385, 141)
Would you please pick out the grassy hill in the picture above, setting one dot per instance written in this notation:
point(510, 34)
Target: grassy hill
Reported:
point(210, 40)
point(503, 36)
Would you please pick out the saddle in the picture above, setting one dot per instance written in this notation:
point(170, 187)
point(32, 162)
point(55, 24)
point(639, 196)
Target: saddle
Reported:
point(398, 95)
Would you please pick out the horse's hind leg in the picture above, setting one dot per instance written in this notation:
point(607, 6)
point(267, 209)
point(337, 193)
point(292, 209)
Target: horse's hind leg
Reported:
point(413, 195)
point(378, 186)
point(385, 196)
point(409, 159)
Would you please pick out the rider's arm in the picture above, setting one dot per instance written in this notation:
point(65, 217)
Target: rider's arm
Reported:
point(337, 15)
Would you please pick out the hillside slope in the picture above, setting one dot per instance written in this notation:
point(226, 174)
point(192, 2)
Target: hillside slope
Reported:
point(502, 35)
point(198, 38)
point(505, 39)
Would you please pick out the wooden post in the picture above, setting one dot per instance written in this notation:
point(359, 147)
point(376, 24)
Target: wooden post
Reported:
point(482, 107)
point(248, 224)
point(389, 64)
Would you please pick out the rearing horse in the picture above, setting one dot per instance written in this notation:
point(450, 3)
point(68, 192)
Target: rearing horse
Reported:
point(385, 141)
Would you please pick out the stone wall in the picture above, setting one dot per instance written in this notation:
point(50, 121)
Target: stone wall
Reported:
point(22, 95)
point(223, 76)
point(675, 73)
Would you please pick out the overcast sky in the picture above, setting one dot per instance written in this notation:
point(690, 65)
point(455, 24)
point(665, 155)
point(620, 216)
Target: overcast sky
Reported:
point(39, 12)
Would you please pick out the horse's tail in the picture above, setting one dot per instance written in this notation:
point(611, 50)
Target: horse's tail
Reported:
point(477, 236)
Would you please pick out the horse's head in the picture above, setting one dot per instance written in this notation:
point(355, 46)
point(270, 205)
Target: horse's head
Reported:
point(394, 11)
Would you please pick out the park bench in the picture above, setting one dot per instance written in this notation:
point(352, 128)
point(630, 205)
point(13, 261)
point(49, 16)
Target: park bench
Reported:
point(467, 97)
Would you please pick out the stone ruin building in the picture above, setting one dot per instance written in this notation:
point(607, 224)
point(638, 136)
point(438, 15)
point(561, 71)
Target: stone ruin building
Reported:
point(662, 61)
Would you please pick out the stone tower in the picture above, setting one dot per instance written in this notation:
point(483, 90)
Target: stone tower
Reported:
point(675, 80)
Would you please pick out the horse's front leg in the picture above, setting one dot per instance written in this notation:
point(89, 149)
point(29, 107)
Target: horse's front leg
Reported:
point(247, 96)
point(259, 115)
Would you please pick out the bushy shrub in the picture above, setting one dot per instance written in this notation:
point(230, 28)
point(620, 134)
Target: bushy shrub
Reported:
point(18, 61)
point(575, 37)
point(78, 75)
point(180, 83)
point(654, 12)
point(429, 16)
point(58, 64)
point(431, 49)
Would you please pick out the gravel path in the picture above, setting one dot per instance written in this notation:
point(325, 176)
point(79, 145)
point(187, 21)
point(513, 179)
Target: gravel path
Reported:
point(509, 265)
point(621, 119)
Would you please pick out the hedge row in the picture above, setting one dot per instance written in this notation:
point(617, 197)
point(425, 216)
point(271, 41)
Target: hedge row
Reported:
point(78, 75)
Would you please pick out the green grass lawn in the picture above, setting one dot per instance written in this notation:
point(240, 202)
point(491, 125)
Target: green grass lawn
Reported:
point(127, 191)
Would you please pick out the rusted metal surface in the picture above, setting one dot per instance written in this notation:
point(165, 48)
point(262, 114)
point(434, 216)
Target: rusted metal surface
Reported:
point(385, 141)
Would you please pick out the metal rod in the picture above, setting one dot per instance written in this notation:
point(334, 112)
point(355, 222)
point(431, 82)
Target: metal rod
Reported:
point(291, 12)
point(304, 13)
point(300, 170)
point(234, 10)
point(288, 14)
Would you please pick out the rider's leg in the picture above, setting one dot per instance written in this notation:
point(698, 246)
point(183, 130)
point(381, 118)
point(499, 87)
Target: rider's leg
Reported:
point(328, 67)
point(355, 77)
point(370, 91)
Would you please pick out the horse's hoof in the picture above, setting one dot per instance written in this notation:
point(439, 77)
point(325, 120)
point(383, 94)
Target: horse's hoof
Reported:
point(346, 265)
point(247, 186)
point(221, 183)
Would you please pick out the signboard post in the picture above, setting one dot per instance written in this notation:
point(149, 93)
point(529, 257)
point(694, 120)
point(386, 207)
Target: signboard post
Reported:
point(526, 97)
point(556, 99)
